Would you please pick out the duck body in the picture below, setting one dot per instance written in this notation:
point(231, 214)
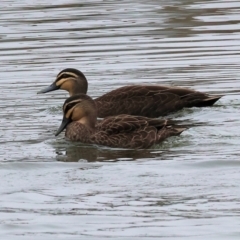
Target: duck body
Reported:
point(122, 131)
point(150, 101)
point(140, 100)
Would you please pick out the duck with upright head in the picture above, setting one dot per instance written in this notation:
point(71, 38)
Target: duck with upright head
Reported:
point(139, 100)
point(122, 131)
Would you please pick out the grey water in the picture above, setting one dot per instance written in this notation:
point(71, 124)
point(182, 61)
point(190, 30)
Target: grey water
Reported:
point(186, 188)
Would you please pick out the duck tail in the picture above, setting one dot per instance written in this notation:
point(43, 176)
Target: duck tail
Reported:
point(179, 130)
point(208, 101)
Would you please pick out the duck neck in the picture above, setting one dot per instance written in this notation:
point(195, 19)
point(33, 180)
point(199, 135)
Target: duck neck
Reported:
point(88, 123)
point(76, 131)
point(80, 86)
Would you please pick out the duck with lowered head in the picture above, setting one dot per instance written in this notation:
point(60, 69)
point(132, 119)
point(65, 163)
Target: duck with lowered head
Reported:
point(122, 131)
point(139, 100)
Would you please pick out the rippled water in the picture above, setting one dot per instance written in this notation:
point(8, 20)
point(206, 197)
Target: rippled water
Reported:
point(51, 188)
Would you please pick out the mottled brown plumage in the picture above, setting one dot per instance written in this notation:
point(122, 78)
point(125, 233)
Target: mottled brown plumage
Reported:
point(122, 131)
point(139, 100)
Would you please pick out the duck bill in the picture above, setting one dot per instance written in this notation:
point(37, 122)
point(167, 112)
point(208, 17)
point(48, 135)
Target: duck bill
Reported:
point(63, 125)
point(50, 88)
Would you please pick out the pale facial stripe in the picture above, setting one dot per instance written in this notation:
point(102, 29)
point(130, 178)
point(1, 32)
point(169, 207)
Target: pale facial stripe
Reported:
point(68, 114)
point(61, 81)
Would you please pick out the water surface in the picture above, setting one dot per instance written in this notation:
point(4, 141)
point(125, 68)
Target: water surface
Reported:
point(185, 188)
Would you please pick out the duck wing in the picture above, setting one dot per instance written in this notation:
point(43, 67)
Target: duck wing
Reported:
point(150, 101)
point(127, 131)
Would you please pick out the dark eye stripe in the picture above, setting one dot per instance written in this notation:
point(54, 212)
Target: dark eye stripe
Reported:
point(63, 76)
point(71, 105)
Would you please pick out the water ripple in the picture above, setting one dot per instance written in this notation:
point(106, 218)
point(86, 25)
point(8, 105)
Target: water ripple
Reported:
point(185, 187)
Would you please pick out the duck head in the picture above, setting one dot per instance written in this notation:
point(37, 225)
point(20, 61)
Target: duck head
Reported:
point(69, 79)
point(78, 108)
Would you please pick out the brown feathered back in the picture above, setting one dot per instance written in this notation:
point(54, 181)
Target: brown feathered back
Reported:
point(150, 101)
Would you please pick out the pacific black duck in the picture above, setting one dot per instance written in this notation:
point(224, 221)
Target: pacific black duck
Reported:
point(139, 100)
point(122, 131)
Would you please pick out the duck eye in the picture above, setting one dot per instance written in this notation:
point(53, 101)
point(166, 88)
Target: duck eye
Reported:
point(59, 77)
point(64, 76)
point(71, 105)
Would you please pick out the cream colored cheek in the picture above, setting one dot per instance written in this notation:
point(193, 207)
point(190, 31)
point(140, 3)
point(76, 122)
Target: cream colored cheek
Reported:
point(77, 115)
point(67, 85)
point(68, 114)
point(60, 82)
